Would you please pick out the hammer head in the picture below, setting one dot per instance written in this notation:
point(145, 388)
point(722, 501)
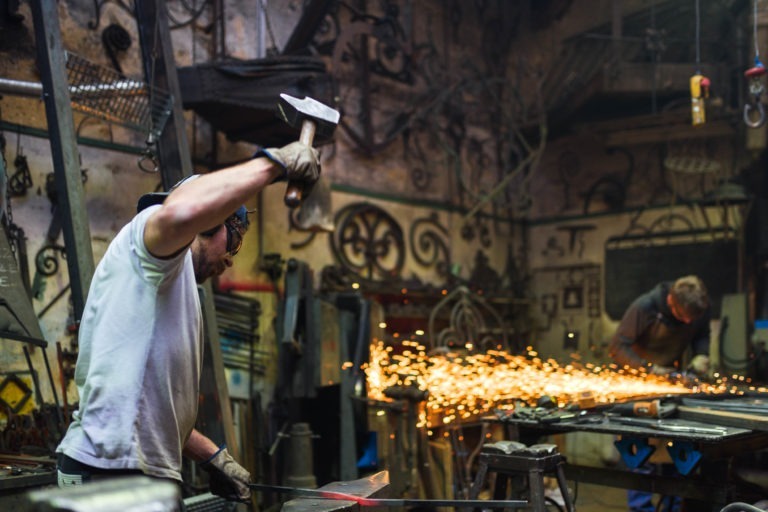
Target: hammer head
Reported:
point(295, 111)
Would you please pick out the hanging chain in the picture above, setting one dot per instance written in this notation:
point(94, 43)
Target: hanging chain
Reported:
point(21, 180)
point(13, 231)
point(8, 211)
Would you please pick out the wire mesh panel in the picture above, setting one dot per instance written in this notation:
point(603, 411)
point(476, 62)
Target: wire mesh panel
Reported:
point(104, 93)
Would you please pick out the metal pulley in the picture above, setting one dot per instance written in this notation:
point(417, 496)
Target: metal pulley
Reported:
point(756, 89)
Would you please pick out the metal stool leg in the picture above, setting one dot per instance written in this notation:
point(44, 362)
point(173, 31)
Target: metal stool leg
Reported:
point(536, 488)
point(500, 486)
point(563, 484)
point(482, 469)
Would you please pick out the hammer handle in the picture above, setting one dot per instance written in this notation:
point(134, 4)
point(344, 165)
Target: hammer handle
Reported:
point(292, 197)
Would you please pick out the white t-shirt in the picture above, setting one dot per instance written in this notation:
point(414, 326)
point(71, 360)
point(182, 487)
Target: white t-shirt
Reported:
point(140, 359)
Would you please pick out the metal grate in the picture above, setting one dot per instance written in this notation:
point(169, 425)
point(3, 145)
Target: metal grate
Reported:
point(104, 93)
point(208, 503)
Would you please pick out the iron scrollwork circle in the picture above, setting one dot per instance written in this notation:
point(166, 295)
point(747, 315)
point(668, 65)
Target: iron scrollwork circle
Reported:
point(368, 242)
point(46, 259)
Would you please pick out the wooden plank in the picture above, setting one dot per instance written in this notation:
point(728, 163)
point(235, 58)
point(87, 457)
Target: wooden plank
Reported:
point(714, 129)
point(748, 421)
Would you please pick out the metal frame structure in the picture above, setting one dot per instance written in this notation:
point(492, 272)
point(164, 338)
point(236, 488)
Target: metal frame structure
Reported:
point(172, 152)
point(66, 164)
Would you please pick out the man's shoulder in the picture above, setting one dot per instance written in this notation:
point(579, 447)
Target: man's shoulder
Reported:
point(651, 300)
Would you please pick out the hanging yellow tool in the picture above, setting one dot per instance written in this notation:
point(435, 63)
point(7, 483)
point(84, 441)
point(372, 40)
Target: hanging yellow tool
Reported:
point(699, 91)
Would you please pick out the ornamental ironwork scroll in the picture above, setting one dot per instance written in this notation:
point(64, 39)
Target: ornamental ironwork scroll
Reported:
point(428, 246)
point(368, 242)
point(467, 326)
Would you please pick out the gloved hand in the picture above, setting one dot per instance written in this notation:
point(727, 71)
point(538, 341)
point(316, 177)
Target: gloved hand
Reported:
point(700, 364)
point(301, 164)
point(228, 479)
point(657, 369)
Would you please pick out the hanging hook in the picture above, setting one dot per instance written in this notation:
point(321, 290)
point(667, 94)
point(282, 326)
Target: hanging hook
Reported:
point(748, 116)
point(148, 156)
point(756, 89)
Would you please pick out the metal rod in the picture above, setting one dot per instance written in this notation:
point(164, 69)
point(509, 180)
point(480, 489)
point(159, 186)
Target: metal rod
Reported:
point(66, 165)
point(53, 388)
point(35, 89)
point(20, 88)
point(389, 502)
point(33, 373)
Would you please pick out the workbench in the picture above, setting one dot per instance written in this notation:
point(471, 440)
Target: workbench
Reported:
point(705, 454)
point(20, 474)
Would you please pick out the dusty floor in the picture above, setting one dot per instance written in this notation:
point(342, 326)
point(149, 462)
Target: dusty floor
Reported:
point(598, 498)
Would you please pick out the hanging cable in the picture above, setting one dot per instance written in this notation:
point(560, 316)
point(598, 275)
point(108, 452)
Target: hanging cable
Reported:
point(756, 88)
point(149, 161)
point(754, 31)
point(698, 39)
point(272, 50)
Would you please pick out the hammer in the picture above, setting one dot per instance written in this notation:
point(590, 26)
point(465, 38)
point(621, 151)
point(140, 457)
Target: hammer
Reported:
point(314, 118)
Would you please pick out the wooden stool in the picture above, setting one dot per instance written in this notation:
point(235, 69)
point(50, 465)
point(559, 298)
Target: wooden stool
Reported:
point(509, 459)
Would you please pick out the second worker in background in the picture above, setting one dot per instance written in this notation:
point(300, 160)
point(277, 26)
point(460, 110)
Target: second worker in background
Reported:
point(662, 324)
point(659, 331)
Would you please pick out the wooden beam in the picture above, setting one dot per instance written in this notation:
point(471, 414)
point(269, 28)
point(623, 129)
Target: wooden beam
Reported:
point(657, 134)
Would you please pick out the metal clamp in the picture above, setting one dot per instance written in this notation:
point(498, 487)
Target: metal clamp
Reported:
point(634, 451)
point(685, 456)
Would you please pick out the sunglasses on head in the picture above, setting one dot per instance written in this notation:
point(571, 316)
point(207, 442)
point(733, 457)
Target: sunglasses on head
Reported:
point(234, 237)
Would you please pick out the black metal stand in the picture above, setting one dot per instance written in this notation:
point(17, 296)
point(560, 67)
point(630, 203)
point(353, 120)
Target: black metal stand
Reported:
point(510, 459)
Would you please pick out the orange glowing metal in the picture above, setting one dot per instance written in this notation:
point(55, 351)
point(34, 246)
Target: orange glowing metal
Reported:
point(462, 387)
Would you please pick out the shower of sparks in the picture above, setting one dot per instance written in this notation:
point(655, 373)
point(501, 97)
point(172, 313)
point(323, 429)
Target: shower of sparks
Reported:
point(463, 386)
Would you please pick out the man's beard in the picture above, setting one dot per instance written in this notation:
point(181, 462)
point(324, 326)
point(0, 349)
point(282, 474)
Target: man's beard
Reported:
point(204, 267)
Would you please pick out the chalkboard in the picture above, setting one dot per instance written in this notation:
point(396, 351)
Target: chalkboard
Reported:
point(632, 271)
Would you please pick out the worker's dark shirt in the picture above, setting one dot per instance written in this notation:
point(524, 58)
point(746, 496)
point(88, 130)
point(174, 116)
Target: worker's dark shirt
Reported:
point(650, 334)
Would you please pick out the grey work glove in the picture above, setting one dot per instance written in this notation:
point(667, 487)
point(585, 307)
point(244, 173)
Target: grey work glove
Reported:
point(227, 478)
point(300, 162)
point(657, 369)
point(700, 364)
